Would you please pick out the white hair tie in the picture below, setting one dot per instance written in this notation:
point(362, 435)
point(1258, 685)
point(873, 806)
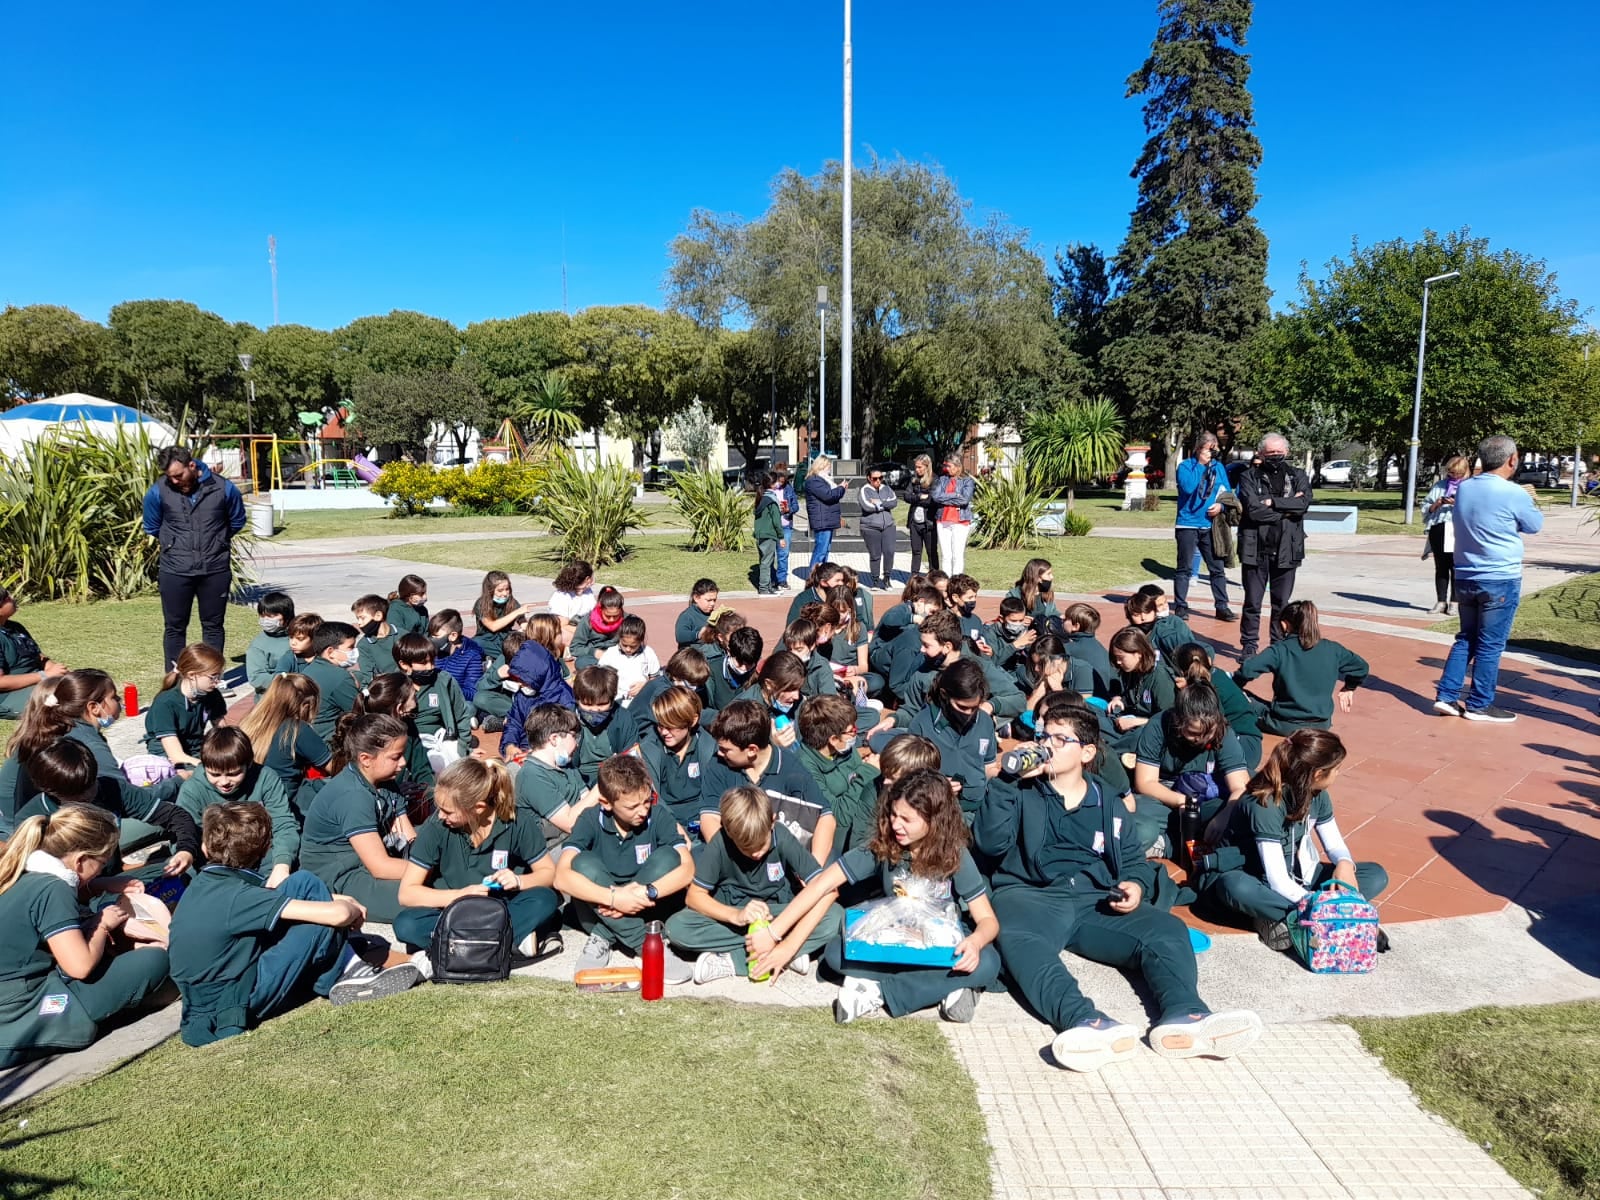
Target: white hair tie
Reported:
point(50, 701)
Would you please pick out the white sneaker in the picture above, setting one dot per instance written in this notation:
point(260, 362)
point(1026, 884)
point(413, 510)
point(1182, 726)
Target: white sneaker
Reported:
point(800, 964)
point(857, 998)
point(1207, 1035)
point(423, 964)
point(1090, 1045)
point(710, 967)
point(676, 970)
point(595, 954)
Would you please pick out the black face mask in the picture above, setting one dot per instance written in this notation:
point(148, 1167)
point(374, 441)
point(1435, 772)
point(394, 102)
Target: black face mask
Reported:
point(969, 608)
point(370, 629)
point(1045, 585)
point(595, 720)
point(423, 677)
point(959, 721)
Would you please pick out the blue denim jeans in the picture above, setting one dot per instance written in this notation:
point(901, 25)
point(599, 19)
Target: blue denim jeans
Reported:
point(821, 543)
point(783, 555)
point(1487, 610)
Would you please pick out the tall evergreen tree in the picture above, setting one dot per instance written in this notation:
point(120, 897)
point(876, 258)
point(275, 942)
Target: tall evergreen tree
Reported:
point(1191, 273)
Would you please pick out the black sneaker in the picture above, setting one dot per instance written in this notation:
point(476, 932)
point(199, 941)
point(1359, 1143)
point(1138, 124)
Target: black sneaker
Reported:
point(1274, 935)
point(361, 982)
point(1498, 716)
point(1450, 708)
point(1227, 615)
point(493, 725)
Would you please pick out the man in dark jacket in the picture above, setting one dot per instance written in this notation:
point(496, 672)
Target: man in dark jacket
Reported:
point(194, 515)
point(1272, 536)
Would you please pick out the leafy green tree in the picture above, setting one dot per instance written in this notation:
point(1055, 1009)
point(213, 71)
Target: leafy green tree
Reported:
point(634, 367)
point(749, 381)
point(1082, 296)
point(1071, 444)
point(1500, 346)
point(950, 314)
point(547, 411)
point(513, 356)
point(175, 360)
point(408, 411)
point(292, 368)
point(1316, 431)
point(1191, 272)
point(47, 350)
point(399, 343)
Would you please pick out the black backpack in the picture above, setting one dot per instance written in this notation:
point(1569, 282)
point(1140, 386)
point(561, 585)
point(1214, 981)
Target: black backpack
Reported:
point(472, 941)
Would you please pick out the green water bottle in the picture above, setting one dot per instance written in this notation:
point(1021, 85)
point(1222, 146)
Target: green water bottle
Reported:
point(750, 959)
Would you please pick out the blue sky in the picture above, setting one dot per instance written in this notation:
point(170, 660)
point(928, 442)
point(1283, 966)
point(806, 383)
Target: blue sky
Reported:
point(417, 156)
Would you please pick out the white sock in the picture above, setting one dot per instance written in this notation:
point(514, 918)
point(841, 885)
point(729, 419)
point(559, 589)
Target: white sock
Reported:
point(528, 946)
point(423, 963)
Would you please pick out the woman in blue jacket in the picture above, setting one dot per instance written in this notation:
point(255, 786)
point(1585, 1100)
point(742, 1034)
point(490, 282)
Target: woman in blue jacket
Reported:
point(952, 510)
point(822, 508)
point(1201, 482)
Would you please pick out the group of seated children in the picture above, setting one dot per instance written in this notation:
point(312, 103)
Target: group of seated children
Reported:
point(741, 796)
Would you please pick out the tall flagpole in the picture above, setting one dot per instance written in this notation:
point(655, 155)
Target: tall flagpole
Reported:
point(847, 311)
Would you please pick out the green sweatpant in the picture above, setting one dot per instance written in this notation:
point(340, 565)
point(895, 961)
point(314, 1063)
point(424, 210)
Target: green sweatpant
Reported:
point(12, 703)
point(695, 934)
point(380, 897)
point(626, 931)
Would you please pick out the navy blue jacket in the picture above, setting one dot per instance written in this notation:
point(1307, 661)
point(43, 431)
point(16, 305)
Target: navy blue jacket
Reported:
point(195, 531)
point(822, 503)
point(536, 669)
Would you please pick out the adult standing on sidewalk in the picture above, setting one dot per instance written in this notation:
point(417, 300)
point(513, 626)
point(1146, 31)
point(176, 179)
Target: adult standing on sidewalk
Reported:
point(822, 508)
point(877, 529)
point(952, 502)
point(921, 527)
point(194, 515)
point(1201, 482)
point(1438, 507)
point(1491, 515)
point(1272, 537)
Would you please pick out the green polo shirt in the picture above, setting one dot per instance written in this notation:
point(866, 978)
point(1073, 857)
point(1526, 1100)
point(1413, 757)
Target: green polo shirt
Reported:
point(1148, 693)
point(19, 653)
point(965, 886)
point(261, 786)
point(1085, 646)
point(690, 622)
point(622, 853)
point(1303, 681)
point(733, 878)
point(268, 655)
point(217, 940)
point(338, 690)
point(1043, 606)
point(377, 656)
point(406, 618)
point(1255, 823)
point(1040, 842)
point(292, 752)
point(36, 1009)
point(820, 679)
point(171, 714)
point(456, 863)
point(346, 806)
point(1160, 747)
point(679, 781)
point(963, 756)
point(617, 736)
point(546, 790)
point(797, 801)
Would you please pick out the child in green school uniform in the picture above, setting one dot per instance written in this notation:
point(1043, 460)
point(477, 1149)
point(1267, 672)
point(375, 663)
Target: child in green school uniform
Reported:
point(605, 727)
point(269, 652)
point(1035, 589)
point(58, 986)
point(1011, 636)
point(301, 632)
point(1191, 663)
point(1047, 670)
point(625, 863)
point(692, 620)
point(1067, 879)
point(800, 640)
point(777, 688)
point(746, 753)
point(187, 705)
point(91, 702)
point(768, 532)
point(444, 718)
point(496, 613)
point(23, 666)
point(356, 831)
point(547, 785)
point(963, 601)
point(1187, 752)
point(734, 670)
point(1079, 632)
point(1270, 829)
point(282, 738)
point(942, 644)
point(679, 752)
point(396, 695)
point(228, 773)
point(375, 645)
point(491, 703)
point(1147, 609)
point(919, 847)
point(1144, 686)
point(244, 950)
point(598, 629)
point(475, 838)
point(332, 668)
point(1305, 668)
point(687, 670)
point(897, 619)
point(408, 606)
point(956, 721)
point(827, 749)
point(749, 872)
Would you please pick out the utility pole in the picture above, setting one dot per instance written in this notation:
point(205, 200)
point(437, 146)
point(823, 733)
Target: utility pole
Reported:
point(847, 308)
point(272, 261)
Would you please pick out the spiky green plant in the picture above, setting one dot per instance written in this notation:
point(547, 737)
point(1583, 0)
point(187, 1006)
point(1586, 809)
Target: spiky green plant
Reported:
point(1070, 444)
point(719, 516)
point(591, 510)
point(1008, 509)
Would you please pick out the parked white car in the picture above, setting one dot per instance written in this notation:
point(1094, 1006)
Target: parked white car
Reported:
point(1337, 471)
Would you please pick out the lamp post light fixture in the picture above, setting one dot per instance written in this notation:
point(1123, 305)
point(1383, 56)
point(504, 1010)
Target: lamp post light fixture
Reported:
point(1416, 405)
point(247, 361)
point(822, 370)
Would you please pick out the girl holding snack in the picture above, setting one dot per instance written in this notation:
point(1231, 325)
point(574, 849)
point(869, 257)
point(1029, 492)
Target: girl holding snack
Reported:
point(918, 849)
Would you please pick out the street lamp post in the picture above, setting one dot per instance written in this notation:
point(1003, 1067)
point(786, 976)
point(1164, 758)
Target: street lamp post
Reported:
point(246, 361)
point(1416, 406)
point(822, 369)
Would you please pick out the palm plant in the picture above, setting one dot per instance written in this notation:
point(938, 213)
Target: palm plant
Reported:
point(548, 411)
point(719, 516)
point(590, 510)
point(1070, 444)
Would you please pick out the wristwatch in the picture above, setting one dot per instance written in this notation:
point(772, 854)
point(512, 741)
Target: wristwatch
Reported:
point(651, 892)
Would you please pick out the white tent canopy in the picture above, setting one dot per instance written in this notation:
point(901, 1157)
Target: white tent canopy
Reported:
point(27, 423)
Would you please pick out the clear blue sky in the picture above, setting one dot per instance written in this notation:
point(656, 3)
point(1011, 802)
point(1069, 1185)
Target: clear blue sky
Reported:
point(417, 156)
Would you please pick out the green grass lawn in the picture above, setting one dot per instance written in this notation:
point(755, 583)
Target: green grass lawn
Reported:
point(320, 523)
point(661, 563)
point(1564, 619)
point(122, 636)
point(1524, 1082)
point(465, 1091)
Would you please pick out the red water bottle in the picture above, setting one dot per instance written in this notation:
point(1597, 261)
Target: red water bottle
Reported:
point(130, 700)
point(653, 957)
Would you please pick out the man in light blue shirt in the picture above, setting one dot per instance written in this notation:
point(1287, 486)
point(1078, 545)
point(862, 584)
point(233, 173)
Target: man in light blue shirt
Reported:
point(1491, 515)
point(1201, 482)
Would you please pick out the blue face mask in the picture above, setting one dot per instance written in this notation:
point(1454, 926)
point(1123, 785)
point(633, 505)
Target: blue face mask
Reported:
point(855, 740)
point(106, 722)
point(563, 759)
point(780, 706)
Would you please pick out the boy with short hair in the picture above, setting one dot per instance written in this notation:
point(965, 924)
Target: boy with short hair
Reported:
point(1067, 879)
point(746, 755)
point(547, 784)
point(606, 728)
point(963, 601)
point(702, 603)
point(230, 773)
point(800, 640)
point(269, 652)
point(902, 658)
point(444, 718)
point(376, 644)
point(940, 638)
point(301, 630)
point(242, 952)
point(748, 872)
point(333, 669)
point(1010, 637)
point(633, 661)
point(455, 654)
point(1079, 624)
point(1147, 609)
point(686, 669)
point(738, 667)
point(828, 740)
point(769, 535)
point(623, 864)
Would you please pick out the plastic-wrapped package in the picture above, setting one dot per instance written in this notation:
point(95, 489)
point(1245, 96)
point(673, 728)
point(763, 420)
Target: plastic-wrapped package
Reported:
point(920, 925)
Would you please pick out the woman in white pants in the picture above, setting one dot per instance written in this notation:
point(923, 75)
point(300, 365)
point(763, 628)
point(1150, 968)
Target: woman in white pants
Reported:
point(952, 507)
